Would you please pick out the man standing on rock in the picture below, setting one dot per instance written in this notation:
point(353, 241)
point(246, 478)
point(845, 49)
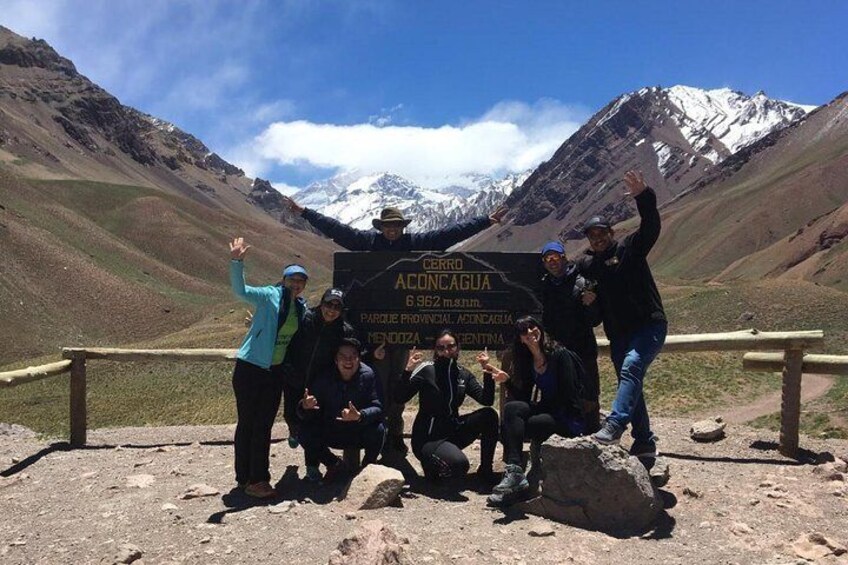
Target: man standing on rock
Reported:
point(632, 312)
point(389, 235)
point(569, 314)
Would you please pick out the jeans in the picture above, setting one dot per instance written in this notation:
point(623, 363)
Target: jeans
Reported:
point(631, 356)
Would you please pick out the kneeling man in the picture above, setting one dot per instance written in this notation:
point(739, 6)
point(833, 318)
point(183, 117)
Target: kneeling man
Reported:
point(341, 409)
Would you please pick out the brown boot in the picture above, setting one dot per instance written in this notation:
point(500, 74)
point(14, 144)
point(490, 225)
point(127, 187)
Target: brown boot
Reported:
point(260, 490)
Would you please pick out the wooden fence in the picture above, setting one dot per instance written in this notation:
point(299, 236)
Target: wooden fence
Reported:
point(792, 362)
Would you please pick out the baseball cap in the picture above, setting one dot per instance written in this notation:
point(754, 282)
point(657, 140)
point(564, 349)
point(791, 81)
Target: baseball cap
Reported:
point(332, 294)
point(596, 222)
point(553, 247)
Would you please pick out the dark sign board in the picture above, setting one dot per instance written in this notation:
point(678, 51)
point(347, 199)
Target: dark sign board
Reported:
point(406, 298)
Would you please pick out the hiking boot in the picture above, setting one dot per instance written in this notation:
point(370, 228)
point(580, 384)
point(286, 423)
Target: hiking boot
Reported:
point(645, 449)
point(260, 490)
point(609, 434)
point(336, 472)
point(294, 443)
point(486, 476)
point(536, 474)
point(512, 482)
point(313, 474)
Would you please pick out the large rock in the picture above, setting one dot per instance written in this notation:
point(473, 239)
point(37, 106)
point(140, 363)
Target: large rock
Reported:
point(375, 487)
point(373, 543)
point(815, 547)
point(595, 487)
point(708, 430)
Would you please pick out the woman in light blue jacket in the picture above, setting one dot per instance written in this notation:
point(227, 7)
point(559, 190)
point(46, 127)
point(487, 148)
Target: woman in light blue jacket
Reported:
point(257, 378)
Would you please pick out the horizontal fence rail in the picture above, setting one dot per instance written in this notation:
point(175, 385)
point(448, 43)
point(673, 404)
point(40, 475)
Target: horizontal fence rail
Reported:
point(813, 364)
point(32, 374)
point(791, 360)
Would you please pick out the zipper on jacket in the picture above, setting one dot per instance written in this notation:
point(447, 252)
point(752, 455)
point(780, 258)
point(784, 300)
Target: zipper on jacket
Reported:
point(259, 332)
point(450, 387)
point(430, 429)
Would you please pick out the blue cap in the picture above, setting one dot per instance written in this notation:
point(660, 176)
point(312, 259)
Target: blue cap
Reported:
point(553, 246)
point(295, 270)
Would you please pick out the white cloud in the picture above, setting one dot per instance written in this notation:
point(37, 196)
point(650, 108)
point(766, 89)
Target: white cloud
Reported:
point(510, 137)
point(284, 188)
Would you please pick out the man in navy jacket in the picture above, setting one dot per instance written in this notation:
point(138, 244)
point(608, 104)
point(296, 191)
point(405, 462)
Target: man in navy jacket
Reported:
point(341, 409)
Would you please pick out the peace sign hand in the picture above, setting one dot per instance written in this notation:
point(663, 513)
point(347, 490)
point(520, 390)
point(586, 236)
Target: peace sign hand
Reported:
point(415, 359)
point(350, 414)
point(483, 357)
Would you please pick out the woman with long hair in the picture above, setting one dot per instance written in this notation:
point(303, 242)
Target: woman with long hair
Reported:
point(544, 392)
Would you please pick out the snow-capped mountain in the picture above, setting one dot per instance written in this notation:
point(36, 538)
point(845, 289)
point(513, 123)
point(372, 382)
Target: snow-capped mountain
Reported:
point(674, 135)
point(355, 198)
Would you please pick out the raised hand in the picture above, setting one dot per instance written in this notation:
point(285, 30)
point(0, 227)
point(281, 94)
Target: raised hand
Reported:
point(380, 352)
point(635, 183)
point(308, 401)
point(238, 248)
point(483, 357)
point(496, 216)
point(415, 359)
point(349, 414)
point(293, 206)
point(498, 375)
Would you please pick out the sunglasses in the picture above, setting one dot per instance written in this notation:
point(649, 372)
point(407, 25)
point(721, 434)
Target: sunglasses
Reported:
point(332, 306)
point(551, 257)
point(448, 347)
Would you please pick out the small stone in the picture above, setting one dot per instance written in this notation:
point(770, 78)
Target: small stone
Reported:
point(19, 541)
point(705, 524)
point(741, 529)
point(16, 460)
point(143, 462)
point(766, 484)
point(207, 539)
point(198, 490)
point(350, 515)
point(692, 492)
point(541, 531)
point(169, 506)
point(140, 481)
point(776, 494)
point(282, 507)
point(754, 501)
point(127, 553)
point(708, 430)
point(88, 475)
point(815, 547)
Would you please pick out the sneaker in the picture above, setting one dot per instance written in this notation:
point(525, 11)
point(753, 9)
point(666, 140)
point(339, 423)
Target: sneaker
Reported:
point(313, 474)
point(609, 434)
point(336, 472)
point(645, 449)
point(260, 490)
point(293, 442)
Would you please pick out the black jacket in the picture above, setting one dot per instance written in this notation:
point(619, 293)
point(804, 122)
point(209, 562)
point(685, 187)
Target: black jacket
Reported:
point(333, 394)
point(313, 347)
point(441, 388)
point(627, 294)
point(353, 239)
point(564, 315)
point(565, 402)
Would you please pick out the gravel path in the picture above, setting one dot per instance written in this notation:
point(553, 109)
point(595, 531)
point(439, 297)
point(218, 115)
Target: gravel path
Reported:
point(735, 501)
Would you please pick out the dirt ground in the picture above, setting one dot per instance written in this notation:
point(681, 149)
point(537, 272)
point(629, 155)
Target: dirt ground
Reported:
point(735, 501)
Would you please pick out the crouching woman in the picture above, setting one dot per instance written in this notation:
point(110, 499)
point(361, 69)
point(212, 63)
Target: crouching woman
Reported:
point(440, 433)
point(341, 409)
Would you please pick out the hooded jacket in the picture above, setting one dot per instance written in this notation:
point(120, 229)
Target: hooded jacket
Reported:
point(353, 239)
point(258, 345)
point(313, 347)
point(627, 294)
point(441, 387)
point(333, 394)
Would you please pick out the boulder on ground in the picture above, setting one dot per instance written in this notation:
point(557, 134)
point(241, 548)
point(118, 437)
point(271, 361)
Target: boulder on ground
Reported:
point(815, 547)
point(708, 430)
point(376, 486)
point(373, 543)
point(595, 487)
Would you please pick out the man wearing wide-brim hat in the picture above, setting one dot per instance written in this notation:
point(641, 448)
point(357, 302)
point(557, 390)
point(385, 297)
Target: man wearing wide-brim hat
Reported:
point(390, 232)
point(389, 235)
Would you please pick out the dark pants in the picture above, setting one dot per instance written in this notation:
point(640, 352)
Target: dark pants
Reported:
point(444, 457)
point(389, 371)
point(525, 421)
point(258, 394)
point(317, 437)
point(591, 388)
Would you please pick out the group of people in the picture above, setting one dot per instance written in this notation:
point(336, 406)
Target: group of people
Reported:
point(340, 393)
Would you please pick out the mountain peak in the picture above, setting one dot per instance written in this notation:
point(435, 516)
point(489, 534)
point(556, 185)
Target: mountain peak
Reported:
point(19, 51)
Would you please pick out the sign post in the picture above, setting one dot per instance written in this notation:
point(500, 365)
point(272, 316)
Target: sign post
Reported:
point(406, 298)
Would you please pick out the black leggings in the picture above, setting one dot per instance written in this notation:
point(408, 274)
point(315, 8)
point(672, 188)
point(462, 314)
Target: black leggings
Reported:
point(524, 421)
point(444, 457)
point(257, 393)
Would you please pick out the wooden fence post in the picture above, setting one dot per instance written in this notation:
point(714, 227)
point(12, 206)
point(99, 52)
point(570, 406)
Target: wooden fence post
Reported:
point(790, 406)
point(78, 399)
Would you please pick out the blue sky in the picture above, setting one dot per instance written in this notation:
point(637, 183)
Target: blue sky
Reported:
point(296, 90)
